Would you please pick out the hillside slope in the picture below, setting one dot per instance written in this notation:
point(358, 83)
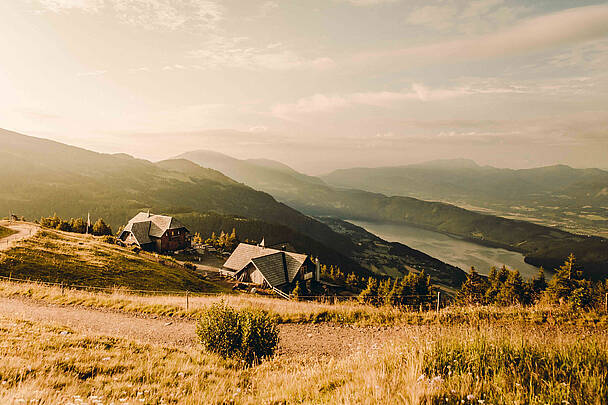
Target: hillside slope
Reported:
point(43, 177)
point(542, 245)
point(53, 256)
point(46, 177)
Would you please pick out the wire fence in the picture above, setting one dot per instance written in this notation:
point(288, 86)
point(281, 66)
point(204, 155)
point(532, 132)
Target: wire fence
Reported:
point(425, 300)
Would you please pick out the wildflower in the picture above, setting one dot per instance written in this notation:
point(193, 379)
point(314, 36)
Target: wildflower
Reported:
point(437, 380)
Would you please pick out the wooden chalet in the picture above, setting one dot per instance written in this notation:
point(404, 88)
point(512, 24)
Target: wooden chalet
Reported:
point(270, 268)
point(158, 233)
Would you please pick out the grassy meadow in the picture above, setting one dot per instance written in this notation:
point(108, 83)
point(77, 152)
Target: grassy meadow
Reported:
point(454, 364)
point(55, 256)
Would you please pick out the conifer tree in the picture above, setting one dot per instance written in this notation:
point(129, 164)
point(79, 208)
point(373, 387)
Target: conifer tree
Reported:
point(370, 294)
point(384, 288)
point(473, 289)
point(100, 228)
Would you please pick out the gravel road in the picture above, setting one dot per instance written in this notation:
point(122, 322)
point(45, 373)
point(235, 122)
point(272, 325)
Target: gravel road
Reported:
point(24, 230)
point(312, 340)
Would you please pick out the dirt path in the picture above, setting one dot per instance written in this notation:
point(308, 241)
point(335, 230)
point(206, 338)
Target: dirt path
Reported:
point(23, 229)
point(310, 340)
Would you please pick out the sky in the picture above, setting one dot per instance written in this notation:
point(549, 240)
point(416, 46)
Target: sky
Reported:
point(316, 84)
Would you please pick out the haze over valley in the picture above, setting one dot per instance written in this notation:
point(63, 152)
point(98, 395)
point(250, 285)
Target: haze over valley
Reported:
point(304, 201)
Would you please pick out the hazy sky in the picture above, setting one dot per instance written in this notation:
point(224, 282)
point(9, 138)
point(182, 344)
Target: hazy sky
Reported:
point(317, 84)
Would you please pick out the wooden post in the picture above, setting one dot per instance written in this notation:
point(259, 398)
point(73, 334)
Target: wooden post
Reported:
point(187, 300)
point(62, 288)
point(606, 303)
point(438, 299)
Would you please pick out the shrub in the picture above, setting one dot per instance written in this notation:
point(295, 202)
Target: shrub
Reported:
point(246, 334)
point(109, 239)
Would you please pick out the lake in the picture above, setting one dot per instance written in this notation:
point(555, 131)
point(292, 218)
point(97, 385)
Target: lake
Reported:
point(451, 250)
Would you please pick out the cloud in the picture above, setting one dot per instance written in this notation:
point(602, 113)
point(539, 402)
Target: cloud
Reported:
point(169, 14)
point(148, 14)
point(535, 34)
point(92, 73)
point(57, 6)
point(320, 103)
point(222, 52)
point(367, 2)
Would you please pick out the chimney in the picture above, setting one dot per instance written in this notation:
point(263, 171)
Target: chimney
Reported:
point(317, 270)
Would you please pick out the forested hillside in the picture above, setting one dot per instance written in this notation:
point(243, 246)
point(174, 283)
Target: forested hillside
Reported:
point(43, 177)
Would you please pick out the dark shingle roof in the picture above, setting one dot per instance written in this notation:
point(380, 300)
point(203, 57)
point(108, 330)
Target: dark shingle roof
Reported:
point(144, 225)
point(272, 268)
point(267, 261)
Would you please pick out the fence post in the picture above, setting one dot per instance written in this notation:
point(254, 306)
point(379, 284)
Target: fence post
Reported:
point(438, 299)
point(187, 300)
point(62, 288)
point(606, 302)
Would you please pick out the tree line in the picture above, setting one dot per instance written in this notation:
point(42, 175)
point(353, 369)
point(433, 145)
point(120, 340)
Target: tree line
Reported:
point(507, 287)
point(501, 287)
point(76, 225)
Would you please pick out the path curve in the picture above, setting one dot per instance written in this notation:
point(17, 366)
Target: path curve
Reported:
point(309, 340)
point(24, 230)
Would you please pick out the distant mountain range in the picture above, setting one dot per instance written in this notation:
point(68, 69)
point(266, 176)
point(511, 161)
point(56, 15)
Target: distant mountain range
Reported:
point(542, 245)
point(39, 177)
point(572, 199)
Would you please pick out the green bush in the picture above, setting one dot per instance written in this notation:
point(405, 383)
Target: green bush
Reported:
point(246, 334)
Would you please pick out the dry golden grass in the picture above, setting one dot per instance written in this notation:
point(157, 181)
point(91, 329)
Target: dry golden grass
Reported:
point(285, 311)
point(55, 256)
point(94, 369)
point(46, 363)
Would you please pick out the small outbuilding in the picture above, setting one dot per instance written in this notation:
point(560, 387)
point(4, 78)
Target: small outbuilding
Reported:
point(269, 267)
point(158, 233)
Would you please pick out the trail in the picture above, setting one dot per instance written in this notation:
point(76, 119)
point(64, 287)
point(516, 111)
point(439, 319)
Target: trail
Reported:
point(24, 230)
point(309, 340)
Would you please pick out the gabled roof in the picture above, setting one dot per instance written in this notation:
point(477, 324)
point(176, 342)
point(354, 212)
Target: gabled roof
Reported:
point(143, 225)
point(272, 268)
point(140, 231)
point(274, 264)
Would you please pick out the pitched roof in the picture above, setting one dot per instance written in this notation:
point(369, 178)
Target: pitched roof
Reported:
point(272, 268)
point(267, 259)
point(143, 225)
point(140, 231)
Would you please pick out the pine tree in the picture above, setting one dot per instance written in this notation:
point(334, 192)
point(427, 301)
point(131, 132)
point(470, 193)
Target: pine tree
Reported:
point(370, 294)
point(513, 290)
point(100, 228)
point(568, 285)
point(473, 289)
point(384, 290)
point(539, 284)
point(78, 225)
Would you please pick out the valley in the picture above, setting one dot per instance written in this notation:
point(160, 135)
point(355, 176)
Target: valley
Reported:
point(457, 252)
point(541, 245)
